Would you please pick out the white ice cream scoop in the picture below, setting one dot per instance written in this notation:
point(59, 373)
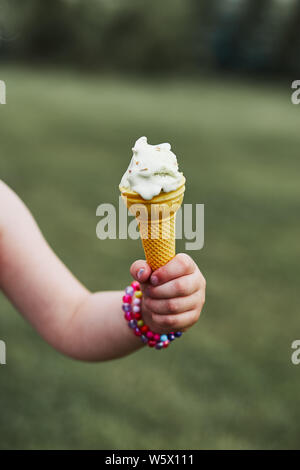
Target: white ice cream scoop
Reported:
point(153, 168)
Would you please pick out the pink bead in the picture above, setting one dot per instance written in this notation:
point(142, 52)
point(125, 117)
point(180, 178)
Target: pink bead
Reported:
point(136, 309)
point(128, 316)
point(127, 299)
point(135, 285)
point(156, 337)
point(136, 301)
point(149, 334)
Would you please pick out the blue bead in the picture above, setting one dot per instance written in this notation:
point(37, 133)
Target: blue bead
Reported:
point(129, 290)
point(144, 339)
point(171, 337)
point(126, 307)
point(178, 334)
point(159, 345)
point(132, 324)
point(163, 338)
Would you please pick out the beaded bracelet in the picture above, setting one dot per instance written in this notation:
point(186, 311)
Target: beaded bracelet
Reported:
point(132, 308)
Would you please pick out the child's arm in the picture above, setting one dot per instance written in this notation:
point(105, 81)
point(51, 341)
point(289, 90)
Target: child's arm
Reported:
point(73, 320)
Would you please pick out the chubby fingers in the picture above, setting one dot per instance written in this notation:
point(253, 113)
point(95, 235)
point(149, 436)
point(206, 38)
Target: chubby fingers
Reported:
point(167, 323)
point(179, 266)
point(140, 271)
point(180, 287)
point(175, 305)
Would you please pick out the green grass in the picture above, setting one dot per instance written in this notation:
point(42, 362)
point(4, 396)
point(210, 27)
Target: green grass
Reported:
point(229, 382)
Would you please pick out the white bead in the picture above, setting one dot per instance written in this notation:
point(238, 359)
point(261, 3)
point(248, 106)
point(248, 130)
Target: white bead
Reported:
point(136, 309)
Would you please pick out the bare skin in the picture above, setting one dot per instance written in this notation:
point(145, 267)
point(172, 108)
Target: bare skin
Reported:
point(65, 313)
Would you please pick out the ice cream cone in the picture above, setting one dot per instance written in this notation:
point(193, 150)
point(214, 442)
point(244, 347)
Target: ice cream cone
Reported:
point(156, 221)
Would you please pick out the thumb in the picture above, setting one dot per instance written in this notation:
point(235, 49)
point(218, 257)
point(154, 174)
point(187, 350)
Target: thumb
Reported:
point(140, 271)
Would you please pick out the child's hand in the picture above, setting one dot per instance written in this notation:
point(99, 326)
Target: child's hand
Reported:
point(173, 296)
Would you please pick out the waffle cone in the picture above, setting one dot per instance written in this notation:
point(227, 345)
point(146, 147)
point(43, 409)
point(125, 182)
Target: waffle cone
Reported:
point(156, 220)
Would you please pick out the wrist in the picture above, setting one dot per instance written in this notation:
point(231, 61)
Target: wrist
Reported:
point(133, 314)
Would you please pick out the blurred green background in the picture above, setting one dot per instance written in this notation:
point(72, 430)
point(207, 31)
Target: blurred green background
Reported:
point(66, 134)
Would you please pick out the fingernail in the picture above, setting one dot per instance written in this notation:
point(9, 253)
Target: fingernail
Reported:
point(140, 273)
point(154, 280)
